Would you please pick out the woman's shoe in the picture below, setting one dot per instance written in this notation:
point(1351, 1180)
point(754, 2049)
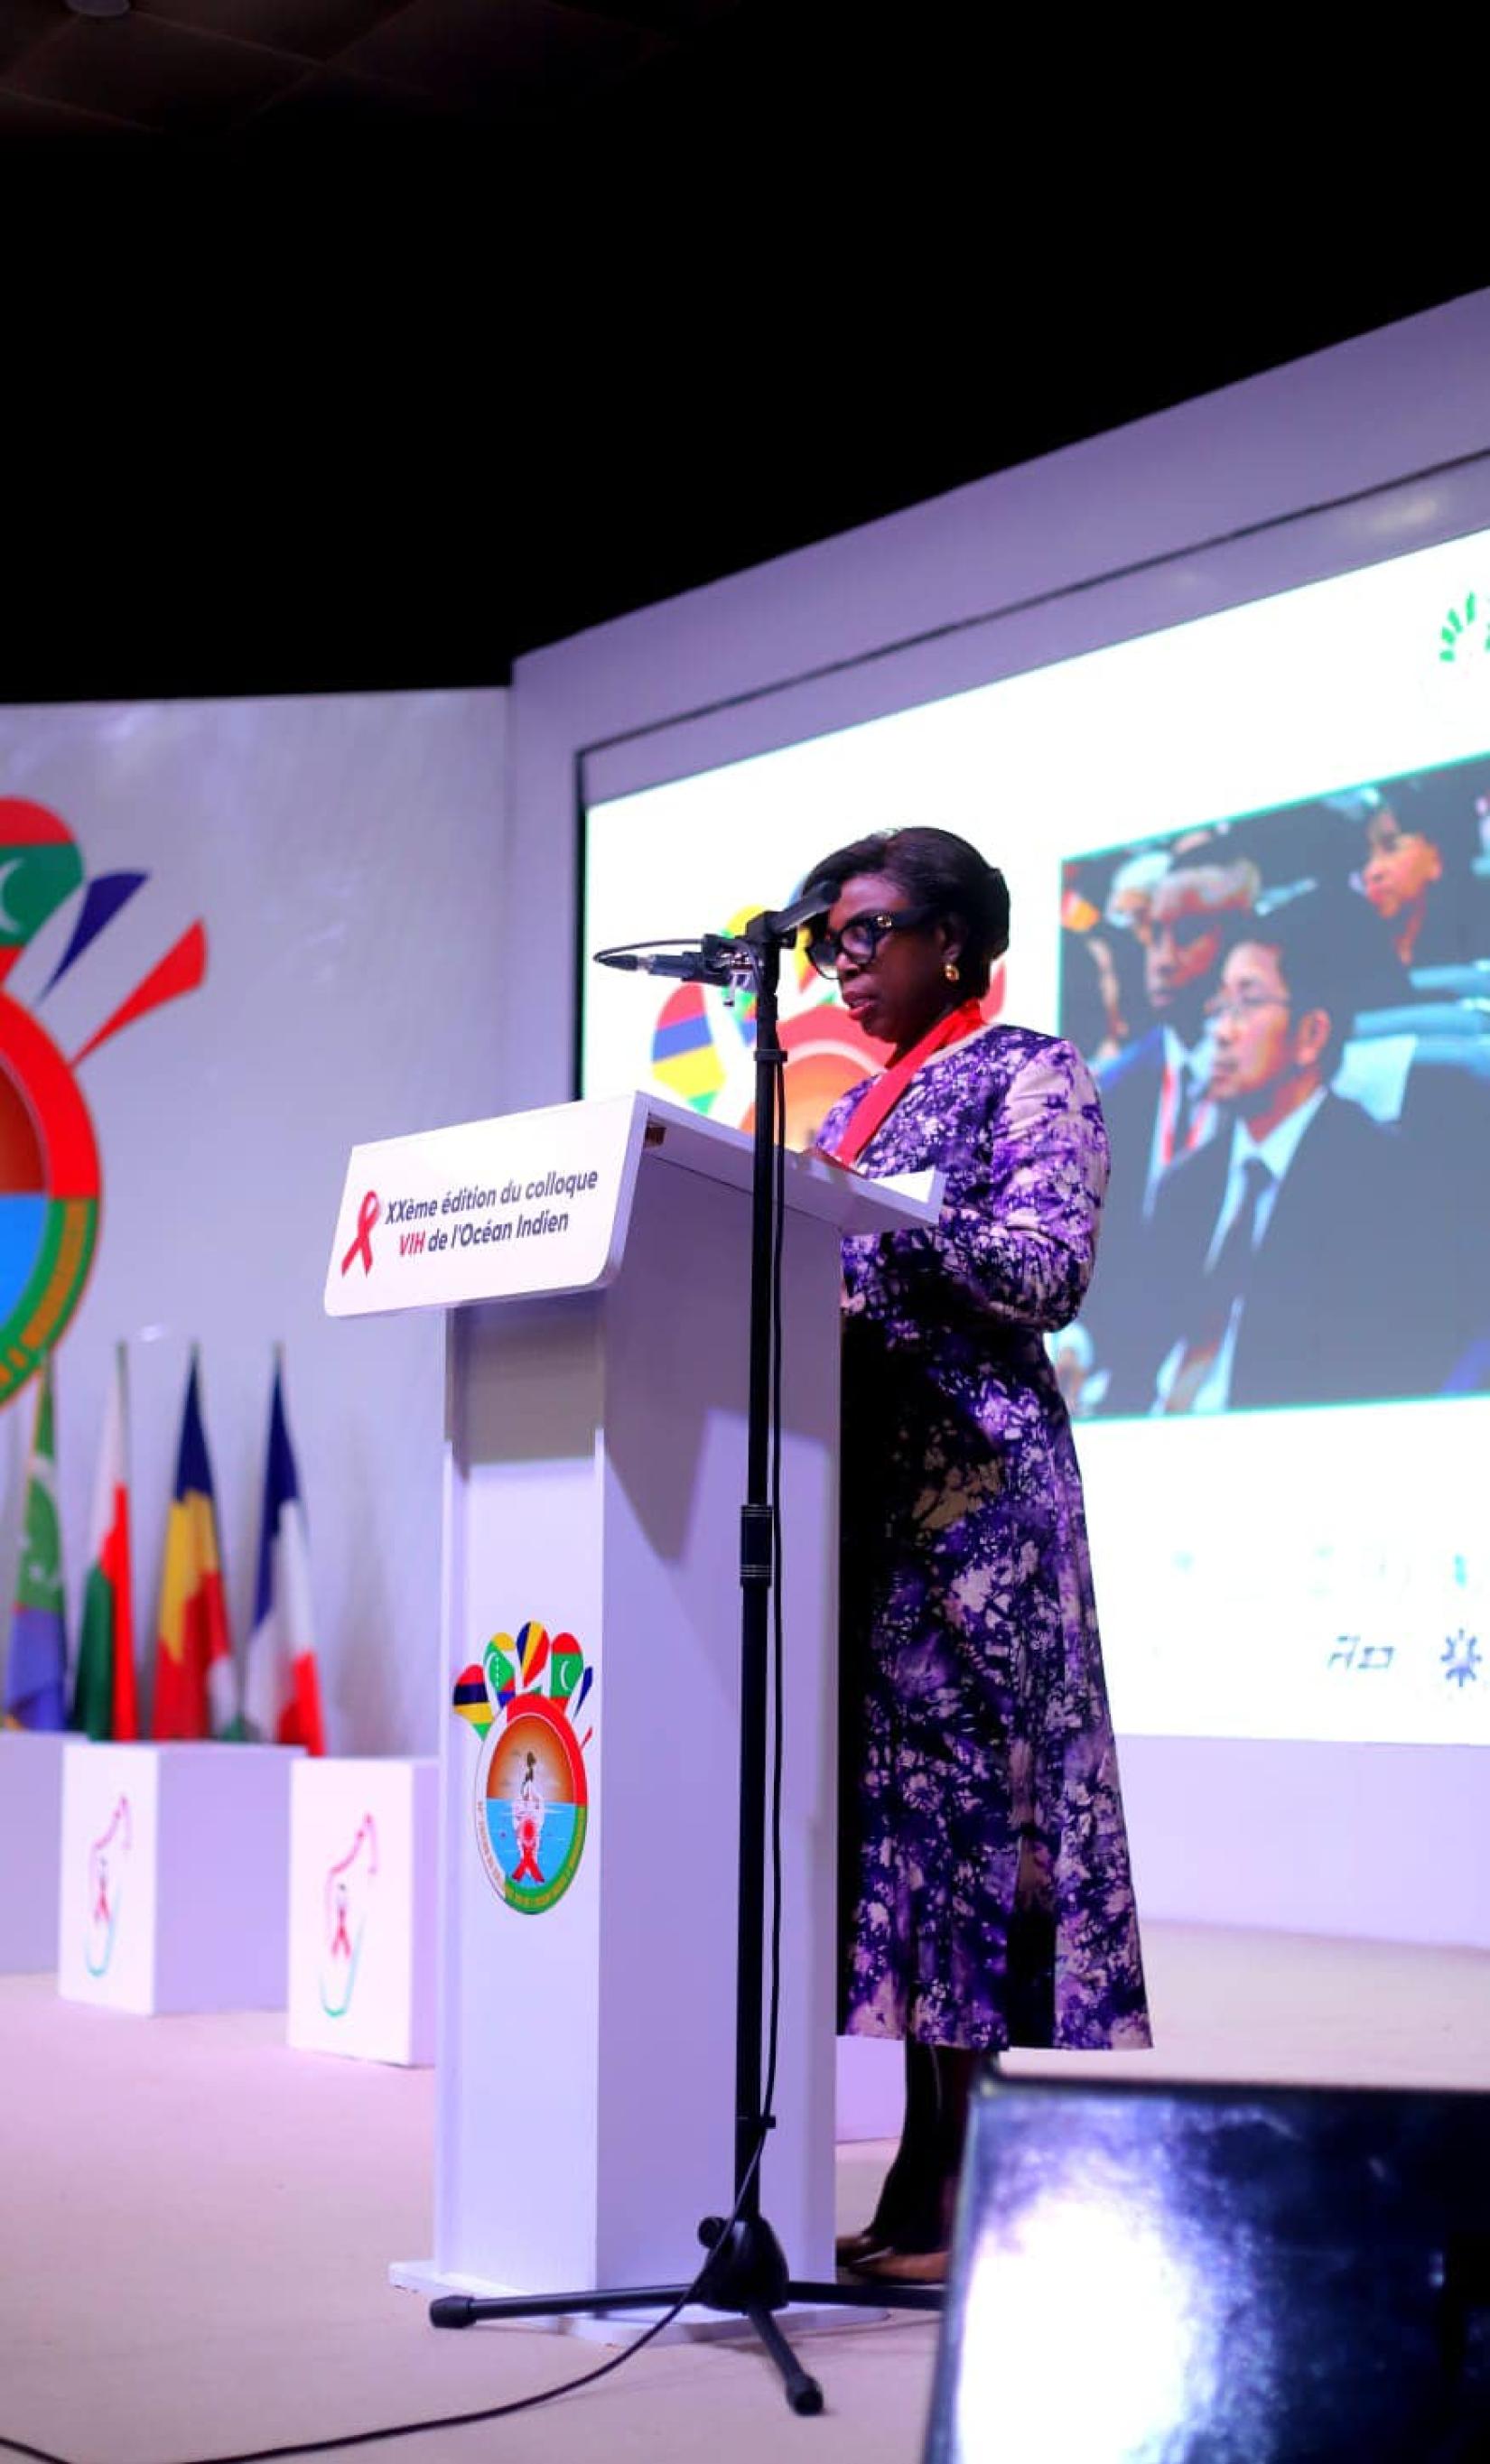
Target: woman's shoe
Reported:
point(902, 2267)
point(871, 2242)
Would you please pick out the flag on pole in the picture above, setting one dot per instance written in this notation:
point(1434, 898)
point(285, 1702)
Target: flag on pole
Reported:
point(104, 1693)
point(35, 1673)
point(195, 1689)
point(283, 1691)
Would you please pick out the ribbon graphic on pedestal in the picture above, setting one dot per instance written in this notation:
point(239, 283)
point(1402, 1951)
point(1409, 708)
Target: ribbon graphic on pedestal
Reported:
point(108, 1857)
point(347, 1891)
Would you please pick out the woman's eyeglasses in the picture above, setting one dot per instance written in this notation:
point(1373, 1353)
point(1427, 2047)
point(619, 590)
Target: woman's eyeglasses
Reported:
point(860, 938)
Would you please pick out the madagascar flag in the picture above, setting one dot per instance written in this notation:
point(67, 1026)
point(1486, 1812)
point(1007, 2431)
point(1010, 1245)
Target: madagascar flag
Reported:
point(103, 1694)
point(195, 1688)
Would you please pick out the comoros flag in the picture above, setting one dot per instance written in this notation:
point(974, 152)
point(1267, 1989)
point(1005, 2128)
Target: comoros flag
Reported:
point(35, 1668)
point(195, 1686)
point(282, 1690)
point(103, 1690)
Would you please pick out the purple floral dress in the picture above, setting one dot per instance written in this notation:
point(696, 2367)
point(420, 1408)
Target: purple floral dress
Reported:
point(984, 1864)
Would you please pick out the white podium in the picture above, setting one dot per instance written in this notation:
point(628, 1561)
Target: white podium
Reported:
point(30, 1831)
point(174, 1863)
point(596, 1262)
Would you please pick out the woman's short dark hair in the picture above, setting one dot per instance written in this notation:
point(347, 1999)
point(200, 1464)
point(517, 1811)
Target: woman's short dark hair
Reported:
point(939, 870)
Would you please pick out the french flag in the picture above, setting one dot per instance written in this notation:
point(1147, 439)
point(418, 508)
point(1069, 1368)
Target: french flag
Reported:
point(282, 1690)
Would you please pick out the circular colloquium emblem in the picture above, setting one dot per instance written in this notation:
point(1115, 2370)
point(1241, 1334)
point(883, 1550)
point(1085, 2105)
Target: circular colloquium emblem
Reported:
point(49, 1195)
point(532, 1805)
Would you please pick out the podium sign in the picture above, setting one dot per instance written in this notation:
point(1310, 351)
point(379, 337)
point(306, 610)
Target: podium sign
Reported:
point(595, 1472)
point(489, 1211)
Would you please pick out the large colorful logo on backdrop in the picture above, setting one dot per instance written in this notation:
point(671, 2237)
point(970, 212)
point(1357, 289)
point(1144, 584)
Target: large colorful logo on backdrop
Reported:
point(703, 1046)
point(524, 1698)
point(97, 955)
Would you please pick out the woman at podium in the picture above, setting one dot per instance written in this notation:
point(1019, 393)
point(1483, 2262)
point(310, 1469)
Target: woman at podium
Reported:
point(985, 1882)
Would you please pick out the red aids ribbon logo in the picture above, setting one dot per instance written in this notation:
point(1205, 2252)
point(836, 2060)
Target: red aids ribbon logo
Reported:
point(528, 1869)
point(362, 1247)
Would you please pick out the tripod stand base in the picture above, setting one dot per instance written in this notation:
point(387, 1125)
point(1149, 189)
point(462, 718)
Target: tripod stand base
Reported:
point(695, 2325)
point(746, 2286)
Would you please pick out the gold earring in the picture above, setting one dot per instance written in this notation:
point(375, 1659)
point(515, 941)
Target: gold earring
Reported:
point(950, 971)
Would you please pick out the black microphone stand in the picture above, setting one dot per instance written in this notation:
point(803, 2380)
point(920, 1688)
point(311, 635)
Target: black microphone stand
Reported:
point(746, 2271)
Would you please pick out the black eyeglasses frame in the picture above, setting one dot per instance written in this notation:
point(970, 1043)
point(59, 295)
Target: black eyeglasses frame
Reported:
point(825, 949)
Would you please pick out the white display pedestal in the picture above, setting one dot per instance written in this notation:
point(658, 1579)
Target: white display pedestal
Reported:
point(596, 1262)
point(363, 1919)
point(30, 1834)
point(174, 1865)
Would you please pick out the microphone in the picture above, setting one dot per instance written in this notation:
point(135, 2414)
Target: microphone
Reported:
point(717, 960)
point(685, 963)
point(720, 958)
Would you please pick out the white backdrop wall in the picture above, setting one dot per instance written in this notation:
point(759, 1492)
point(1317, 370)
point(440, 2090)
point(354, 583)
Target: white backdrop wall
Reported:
point(1360, 452)
point(343, 853)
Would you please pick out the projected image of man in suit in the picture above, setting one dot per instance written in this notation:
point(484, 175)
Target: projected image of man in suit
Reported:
point(1281, 1248)
point(1155, 1097)
point(1154, 1094)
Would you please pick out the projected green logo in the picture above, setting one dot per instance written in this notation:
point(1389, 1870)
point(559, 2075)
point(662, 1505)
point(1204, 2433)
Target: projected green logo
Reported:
point(1463, 632)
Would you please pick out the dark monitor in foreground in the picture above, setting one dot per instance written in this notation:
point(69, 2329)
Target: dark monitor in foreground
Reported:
point(1217, 2274)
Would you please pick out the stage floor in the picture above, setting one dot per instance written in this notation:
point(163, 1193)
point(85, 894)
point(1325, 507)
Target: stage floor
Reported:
point(196, 2225)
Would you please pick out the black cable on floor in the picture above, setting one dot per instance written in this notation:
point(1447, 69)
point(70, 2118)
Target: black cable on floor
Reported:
point(450, 2420)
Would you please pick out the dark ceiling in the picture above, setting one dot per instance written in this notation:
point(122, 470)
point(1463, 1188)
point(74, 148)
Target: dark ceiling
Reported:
point(370, 343)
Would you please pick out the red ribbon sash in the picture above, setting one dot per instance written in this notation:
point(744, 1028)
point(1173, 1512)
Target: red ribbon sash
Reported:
point(890, 1086)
